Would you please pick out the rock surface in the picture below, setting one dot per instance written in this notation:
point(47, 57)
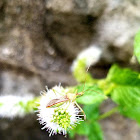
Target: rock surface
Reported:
point(40, 38)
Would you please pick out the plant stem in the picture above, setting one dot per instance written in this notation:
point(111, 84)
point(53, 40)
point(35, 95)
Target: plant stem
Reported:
point(107, 114)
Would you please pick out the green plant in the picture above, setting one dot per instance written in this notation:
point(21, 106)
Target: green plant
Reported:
point(122, 86)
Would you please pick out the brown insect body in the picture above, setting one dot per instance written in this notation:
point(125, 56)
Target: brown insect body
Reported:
point(68, 97)
point(54, 102)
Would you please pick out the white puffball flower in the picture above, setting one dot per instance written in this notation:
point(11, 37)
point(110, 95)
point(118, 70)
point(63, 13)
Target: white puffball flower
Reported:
point(10, 105)
point(57, 119)
point(91, 55)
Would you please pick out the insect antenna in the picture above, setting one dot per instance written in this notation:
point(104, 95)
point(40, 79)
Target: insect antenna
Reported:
point(85, 78)
point(92, 90)
point(85, 84)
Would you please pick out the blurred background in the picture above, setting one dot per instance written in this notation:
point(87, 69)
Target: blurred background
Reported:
point(39, 39)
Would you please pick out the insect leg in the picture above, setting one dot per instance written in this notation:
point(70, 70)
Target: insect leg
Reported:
point(67, 106)
point(81, 110)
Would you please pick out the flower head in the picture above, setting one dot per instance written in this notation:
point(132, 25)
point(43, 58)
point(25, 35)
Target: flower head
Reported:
point(90, 55)
point(57, 118)
point(12, 106)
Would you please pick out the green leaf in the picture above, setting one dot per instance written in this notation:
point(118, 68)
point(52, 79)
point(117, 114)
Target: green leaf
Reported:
point(126, 96)
point(128, 99)
point(83, 128)
point(91, 130)
point(124, 77)
point(126, 90)
point(131, 112)
point(92, 94)
point(91, 111)
point(95, 132)
point(137, 46)
point(90, 127)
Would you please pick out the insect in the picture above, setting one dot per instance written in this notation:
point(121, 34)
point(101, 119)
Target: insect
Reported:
point(69, 97)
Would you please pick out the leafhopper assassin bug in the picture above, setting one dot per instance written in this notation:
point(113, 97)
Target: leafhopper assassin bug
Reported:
point(69, 97)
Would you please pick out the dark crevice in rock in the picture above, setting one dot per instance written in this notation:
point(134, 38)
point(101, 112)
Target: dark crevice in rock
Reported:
point(2, 11)
point(69, 32)
point(50, 38)
point(17, 69)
